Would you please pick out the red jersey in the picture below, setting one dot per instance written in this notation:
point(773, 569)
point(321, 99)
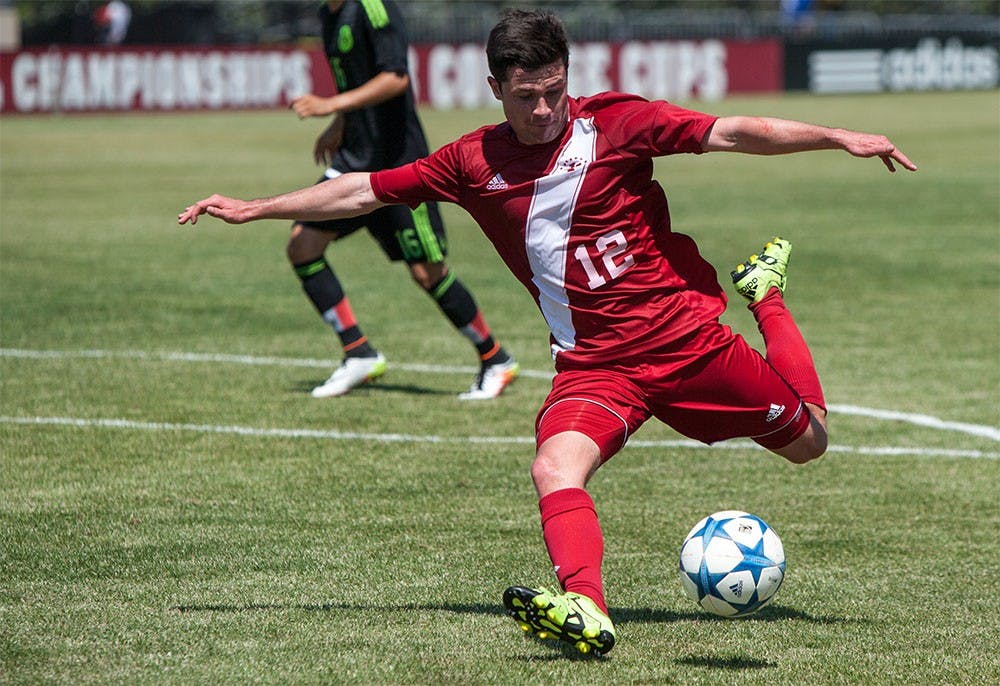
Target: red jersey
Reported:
point(581, 222)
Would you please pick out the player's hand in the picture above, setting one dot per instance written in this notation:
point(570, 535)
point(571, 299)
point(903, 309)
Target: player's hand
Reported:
point(329, 142)
point(229, 210)
point(312, 105)
point(868, 145)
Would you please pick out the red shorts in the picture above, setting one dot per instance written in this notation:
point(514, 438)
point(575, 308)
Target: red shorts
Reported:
point(709, 386)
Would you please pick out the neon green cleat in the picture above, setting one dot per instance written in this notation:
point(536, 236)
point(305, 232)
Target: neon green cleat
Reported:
point(754, 278)
point(570, 617)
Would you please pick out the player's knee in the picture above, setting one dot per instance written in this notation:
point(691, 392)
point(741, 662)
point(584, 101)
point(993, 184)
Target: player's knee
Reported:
point(306, 244)
point(294, 246)
point(806, 448)
point(427, 275)
point(544, 469)
point(422, 279)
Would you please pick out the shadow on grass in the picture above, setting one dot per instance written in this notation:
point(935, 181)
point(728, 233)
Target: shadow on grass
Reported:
point(378, 387)
point(772, 613)
point(459, 608)
point(734, 662)
point(558, 650)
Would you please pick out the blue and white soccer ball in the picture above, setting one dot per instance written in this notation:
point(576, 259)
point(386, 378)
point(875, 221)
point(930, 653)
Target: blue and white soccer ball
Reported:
point(732, 563)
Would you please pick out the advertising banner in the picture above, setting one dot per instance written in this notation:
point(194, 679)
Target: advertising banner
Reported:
point(445, 76)
point(155, 79)
point(454, 76)
point(930, 63)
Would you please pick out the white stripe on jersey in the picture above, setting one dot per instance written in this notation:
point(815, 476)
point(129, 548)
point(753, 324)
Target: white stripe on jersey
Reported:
point(546, 235)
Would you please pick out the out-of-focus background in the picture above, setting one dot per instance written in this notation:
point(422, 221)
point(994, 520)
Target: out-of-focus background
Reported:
point(175, 508)
point(93, 55)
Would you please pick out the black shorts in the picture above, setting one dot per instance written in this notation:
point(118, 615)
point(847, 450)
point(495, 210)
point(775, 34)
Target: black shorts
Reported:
point(412, 235)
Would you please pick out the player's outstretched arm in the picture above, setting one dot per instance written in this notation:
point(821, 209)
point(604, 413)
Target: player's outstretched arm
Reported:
point(770, 136)
point(349, 195)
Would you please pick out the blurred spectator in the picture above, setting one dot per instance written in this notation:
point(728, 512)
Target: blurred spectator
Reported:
point(795, 11)
point(111, 21)
point(799, 15)
point(10, 26)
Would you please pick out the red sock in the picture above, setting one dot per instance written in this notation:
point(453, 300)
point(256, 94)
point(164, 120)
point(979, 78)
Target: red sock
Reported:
point(787, 351)
point(574, 540)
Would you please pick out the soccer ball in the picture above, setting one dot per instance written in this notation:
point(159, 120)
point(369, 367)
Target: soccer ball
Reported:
point(732, 563)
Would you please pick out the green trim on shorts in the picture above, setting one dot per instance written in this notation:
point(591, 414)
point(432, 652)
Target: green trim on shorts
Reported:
point(445, 284)
point(425, 233)
point(377, 15)
point(304, 270)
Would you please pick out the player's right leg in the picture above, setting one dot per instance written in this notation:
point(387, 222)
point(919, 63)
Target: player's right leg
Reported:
point(497, 367)
point(572, 533)
point(570, 617)
point(584, 421)
point(361, 363)
point(762, 280)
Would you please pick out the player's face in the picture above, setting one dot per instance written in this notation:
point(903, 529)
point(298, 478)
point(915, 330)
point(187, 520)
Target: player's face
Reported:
point(534, 102)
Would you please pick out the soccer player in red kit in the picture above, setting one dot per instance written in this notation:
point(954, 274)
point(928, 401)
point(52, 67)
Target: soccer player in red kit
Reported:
point(564, 190)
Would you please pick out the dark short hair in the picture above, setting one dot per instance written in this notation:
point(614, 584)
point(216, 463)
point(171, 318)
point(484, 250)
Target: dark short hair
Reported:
point(528, 39)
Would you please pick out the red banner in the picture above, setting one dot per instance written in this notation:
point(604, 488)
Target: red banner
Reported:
point(445, 76)
point(101, 80)
point(454, 76)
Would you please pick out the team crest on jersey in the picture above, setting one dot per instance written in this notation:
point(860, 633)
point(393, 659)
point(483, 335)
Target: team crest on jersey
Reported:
point(496, 184)
point(345, 39)
point(570, 164)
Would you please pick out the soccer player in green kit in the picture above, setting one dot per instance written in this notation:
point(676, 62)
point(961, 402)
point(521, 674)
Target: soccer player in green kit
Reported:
point(375, 126)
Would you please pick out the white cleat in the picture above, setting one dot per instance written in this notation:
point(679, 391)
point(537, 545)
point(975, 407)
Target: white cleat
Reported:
point(352, 372)
point(491, 380)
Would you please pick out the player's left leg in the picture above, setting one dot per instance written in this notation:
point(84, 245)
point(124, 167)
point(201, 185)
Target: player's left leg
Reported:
point(498, 368)
point(762, 279)
point(418, 237)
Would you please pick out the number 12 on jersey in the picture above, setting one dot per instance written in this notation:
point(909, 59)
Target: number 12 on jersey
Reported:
point(610, 247)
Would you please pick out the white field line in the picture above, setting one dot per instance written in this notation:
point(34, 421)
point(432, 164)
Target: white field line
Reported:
point(127, 424)
point(980, 430)
point(919, 420)
point(239, 359)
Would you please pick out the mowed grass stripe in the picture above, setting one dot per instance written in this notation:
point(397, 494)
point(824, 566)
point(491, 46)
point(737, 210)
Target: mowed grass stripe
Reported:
point(311, 556)
point(888, 415)
point(104, 423)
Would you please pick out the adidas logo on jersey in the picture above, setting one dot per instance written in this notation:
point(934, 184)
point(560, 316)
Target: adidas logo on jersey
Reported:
point(497, 184)
point(774, 412)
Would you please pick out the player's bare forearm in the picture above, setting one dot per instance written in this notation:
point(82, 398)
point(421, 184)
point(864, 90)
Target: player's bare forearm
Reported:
point(383, 86)
point(349, 195)
point(312, 105)
point(770, 136)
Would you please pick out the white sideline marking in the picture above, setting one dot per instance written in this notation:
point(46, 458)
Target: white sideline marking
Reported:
point(415, 438)
point(919, 419)
point(889, 415)
point(241, 359)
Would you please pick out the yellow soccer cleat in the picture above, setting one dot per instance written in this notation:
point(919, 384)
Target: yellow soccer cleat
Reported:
point(755, 278)
point(570, 617)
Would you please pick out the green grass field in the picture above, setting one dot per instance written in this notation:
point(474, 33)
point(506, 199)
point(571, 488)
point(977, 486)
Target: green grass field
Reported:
point(176, 509)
